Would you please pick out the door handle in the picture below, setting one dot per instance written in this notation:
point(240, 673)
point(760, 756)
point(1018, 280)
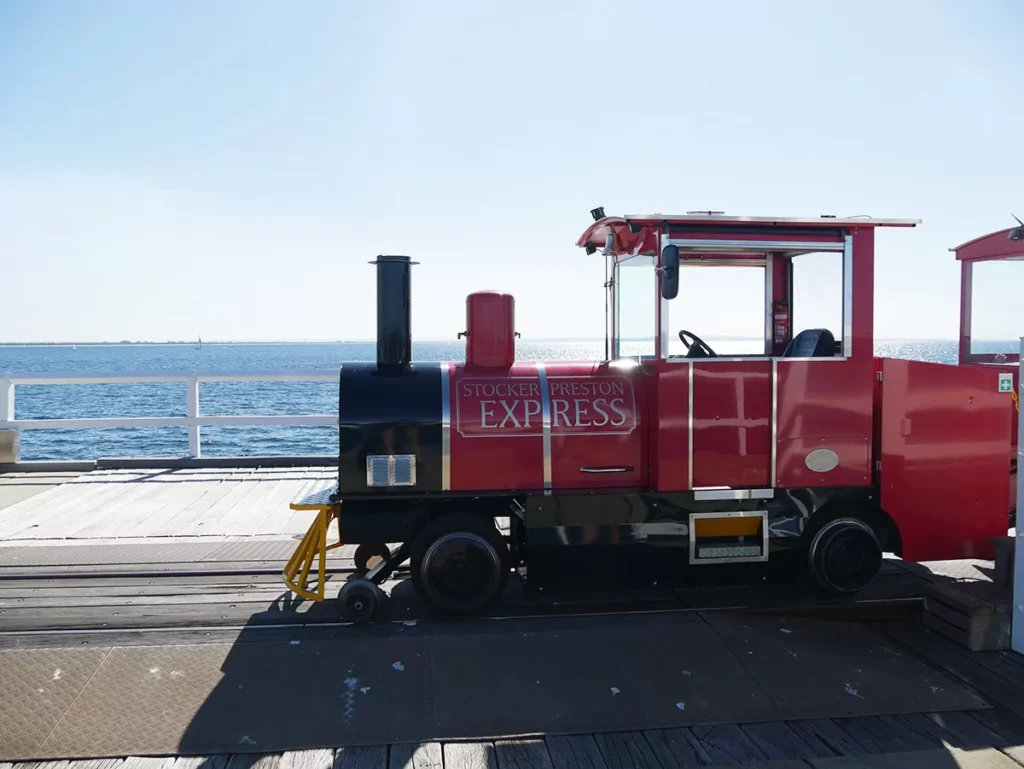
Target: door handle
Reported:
point(605, 469)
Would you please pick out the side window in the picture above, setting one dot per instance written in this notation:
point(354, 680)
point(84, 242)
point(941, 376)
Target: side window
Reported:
point(817, 295)
point(997, 314)
point(722, 305)
point(635, 307)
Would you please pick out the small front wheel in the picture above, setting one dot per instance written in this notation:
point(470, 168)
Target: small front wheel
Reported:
point(359, 599)
point(844, 556)
point(460, 563)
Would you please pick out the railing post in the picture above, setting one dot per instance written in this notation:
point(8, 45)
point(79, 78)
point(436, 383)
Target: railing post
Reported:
point(10, 440)
point(192, 411)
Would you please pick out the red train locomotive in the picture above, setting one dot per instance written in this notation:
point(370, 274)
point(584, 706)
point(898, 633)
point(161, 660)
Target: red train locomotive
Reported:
point(808, 448)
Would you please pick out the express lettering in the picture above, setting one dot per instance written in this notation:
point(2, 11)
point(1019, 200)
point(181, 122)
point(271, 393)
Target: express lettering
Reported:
point(513, 407)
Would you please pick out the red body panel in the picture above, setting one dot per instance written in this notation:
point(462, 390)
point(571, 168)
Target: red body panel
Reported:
point(486, 454)
point(597, 423)
point(732, 423)
point(670, 420)
point(824, 404)
point(943, 438)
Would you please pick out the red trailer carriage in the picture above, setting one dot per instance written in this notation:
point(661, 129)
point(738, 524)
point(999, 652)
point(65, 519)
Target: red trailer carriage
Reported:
point(808, 448)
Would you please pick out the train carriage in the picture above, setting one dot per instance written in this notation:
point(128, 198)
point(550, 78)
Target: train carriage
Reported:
point(808, 449)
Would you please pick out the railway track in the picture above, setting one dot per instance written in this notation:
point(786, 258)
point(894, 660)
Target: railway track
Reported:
point(215, 600)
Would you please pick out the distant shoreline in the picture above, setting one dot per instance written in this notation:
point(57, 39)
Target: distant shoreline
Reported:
point(544, 340)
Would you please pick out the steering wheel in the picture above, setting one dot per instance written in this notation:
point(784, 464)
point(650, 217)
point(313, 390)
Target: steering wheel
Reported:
point(697, 348)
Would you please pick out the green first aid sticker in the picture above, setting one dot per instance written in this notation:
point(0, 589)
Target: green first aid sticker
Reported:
point(1006, 383)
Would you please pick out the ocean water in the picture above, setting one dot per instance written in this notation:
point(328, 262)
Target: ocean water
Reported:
point(216, 398)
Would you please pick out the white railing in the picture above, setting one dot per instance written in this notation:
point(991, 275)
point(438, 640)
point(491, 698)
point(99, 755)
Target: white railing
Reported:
point(193, 420)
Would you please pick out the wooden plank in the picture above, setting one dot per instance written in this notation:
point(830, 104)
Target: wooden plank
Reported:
point(423, 755)
point(777, 741)
point(960, 730)
point(874, 733)
point(727, 744)
point(623, 750)
point(307, 759)
point(251, 761)
point(956, 661)
point(70, 599)
point(38, 523)
point(1007, 724)
point(370, 757)
point(826, 731)
point(200, 762)
point(943, 758)
point(917, 730)
point(522, 754)
point(94, 763)
point(186, 519)
point(575, 752)
point(677, 748)
point(469, 755)
point(166, 762)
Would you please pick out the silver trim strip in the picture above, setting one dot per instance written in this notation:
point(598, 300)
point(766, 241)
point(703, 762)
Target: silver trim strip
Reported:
point(827, 221)
point(689, 427)
point(446, 428)
point(769, 308)
point(755, 245)
point(545, 415)
point(700, 495)
point(605, 469)
point(740, 358)
point(775, 422)
point(763, 515)
point(848, 296)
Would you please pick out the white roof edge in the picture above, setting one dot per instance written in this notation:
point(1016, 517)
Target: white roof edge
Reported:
point(778, 219)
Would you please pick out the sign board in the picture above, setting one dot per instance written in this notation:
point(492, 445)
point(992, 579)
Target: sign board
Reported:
point(506, 407)
point(1006, 383)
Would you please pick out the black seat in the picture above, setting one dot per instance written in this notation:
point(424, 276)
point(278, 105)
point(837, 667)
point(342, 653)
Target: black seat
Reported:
point(812, 343)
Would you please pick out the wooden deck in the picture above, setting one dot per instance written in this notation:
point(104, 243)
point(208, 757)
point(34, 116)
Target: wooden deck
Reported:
point(119, 520)
point(139, 504)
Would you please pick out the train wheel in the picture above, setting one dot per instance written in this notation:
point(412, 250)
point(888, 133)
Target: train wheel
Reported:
point(369, 554)
point(845, 555)
point(359, 599)
point(460, 563)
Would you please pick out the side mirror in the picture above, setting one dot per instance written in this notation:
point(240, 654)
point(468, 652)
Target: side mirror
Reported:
point(670, 272)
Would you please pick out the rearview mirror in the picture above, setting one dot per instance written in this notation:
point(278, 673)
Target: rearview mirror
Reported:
point(670, 272)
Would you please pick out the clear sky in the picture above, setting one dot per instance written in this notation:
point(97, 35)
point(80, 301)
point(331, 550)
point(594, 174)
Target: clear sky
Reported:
point(174, 169)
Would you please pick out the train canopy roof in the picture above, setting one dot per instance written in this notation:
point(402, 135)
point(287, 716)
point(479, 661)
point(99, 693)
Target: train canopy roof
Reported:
point(633, 232)
point(995, 245)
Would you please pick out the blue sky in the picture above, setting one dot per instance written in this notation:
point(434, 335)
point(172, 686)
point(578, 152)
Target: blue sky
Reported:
point(170, 169)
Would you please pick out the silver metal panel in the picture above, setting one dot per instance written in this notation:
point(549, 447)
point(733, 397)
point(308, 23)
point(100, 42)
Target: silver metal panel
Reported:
point(729, 552)
point(689, 428)
point(775, 423)
point(769, 300)
point(605, 469)
point(391, 470)
point(446, 428)
point(545, 415)
point(701, 495)
point(378, 470)
point(403, 470)
point(722, 262)
point(763, 556)
point(663, 327)
point(705, 245)
point(816, 220)
point(848, 296)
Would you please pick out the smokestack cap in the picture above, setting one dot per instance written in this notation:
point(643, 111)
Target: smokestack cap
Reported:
point(385, 258)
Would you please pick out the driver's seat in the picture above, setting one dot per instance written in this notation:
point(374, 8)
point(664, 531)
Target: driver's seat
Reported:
point(812, 343)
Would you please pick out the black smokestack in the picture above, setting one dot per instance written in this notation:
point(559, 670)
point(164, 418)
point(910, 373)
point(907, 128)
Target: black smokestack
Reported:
point(394, 326)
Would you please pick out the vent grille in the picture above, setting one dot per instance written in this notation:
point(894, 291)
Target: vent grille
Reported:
point(391, 470)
